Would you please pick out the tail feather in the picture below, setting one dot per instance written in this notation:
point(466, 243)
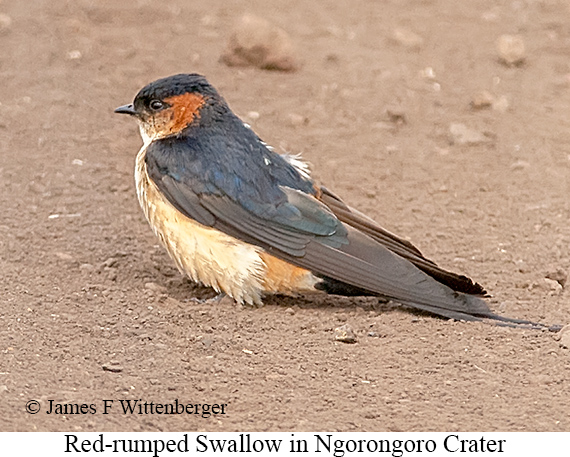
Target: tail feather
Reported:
point(334, 287)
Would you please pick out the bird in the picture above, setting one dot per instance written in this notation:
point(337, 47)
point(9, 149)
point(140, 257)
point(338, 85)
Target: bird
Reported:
point(237, 216)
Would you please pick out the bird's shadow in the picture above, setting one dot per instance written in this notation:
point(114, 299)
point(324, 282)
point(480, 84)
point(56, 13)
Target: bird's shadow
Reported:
point(185, 290)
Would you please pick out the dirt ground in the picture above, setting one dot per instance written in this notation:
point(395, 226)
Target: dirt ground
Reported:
point(93, 309)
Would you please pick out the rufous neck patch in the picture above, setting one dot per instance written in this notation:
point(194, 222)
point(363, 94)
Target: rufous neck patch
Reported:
point(186, 109)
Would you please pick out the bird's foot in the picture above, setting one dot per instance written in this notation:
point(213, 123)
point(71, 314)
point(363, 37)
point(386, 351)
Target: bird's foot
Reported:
point(221, 299)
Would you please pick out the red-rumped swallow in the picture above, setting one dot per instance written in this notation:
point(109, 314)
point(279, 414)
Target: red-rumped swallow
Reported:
point(236, 216)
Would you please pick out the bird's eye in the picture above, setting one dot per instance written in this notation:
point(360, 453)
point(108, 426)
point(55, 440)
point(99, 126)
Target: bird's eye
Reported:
point(156, 105)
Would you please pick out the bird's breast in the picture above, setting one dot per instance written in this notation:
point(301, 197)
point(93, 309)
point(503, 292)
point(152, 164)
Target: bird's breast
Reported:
point(206, 255)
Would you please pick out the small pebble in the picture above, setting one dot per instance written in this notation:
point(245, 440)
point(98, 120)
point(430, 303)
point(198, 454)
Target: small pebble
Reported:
point(207, 342)
point(258, 43)
point(565, 337)
point(560, 276)
point(482, 100)
point(86, 268)
point(511, 50)
point(396, 115)
point(64, 256)
point(428, 73)
point(407, 38)
point(547, 285)
point(461, 134)
point(112, 368)
point(5, 23)
point(110, 262)
point(74, 55)
point(520, 165)
point(344, 334)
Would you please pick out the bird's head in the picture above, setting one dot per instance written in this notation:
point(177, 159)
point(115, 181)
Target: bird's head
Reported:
point(168, 106)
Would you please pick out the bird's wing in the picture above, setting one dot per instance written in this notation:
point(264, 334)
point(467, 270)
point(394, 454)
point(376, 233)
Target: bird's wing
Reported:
point(304, 231)
point(402, 247)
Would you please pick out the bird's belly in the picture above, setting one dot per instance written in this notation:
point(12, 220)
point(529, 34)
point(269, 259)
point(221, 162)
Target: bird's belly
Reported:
point(206, 255)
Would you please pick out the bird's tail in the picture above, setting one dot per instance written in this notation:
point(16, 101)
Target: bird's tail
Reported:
point(482, 313)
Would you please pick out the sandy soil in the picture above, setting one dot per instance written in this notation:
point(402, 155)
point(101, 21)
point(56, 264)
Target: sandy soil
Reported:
point(93, 309)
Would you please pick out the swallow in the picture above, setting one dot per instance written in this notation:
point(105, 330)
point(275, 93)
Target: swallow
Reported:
point(236, 216)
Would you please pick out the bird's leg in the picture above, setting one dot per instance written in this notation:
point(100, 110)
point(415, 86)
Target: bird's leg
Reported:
point(221, 299)
point(217, 299)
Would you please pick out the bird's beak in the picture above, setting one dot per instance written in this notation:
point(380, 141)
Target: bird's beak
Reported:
point(126, 109)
